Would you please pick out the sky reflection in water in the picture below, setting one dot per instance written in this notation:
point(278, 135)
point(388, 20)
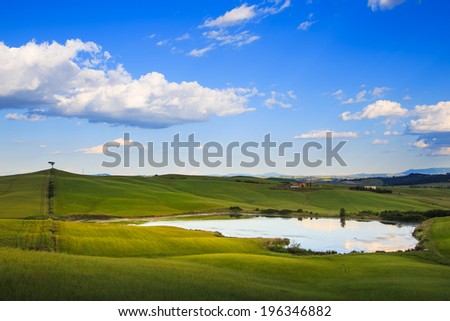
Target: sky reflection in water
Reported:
point(321, 234)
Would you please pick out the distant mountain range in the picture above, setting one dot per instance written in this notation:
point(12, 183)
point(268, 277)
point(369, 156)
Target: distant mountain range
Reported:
point(402, 180)
point(428, 171)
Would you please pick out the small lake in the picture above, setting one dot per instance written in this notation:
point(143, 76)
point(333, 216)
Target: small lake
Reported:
point(318, 234)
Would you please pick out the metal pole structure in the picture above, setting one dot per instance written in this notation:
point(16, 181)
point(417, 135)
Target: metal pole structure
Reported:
point(51, 191)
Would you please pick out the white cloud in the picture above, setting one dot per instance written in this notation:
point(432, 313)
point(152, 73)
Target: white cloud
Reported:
point(389, 122)
point(381, 108)
point(322, 134)
point(56, 78)
point(392, 133)
point(380, 141)
point(443, 151)
point(407, 97)
point(245, 13)
point(271, 102)
point(98, 149)
point(431, 118)
point(305, 25)
point(360, 97)
point(186, 36)
point(233, 17)
point(162, 43)
point(27, 116)
point(280, 99)
point(432, 124)
point(153, 35)
point(33, 72)
point(383, 4)
point(200, 52)
point(91, 150)
point(276, 8)
point(227, 28)
point(378, 92)
point(338, 94)
point(420, 144)
point(107, 55)
point(292, 94)
point(223, 37)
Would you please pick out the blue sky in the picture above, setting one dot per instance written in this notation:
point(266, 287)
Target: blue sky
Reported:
point(74, 76)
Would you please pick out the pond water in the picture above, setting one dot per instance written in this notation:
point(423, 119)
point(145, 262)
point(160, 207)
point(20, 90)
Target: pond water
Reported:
point(318, 234)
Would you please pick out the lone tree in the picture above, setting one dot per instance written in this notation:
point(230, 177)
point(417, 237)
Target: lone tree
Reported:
point(342, 216)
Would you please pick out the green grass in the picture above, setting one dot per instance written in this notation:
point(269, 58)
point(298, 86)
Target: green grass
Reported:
point(20, 196)
point(135, 241)
point(49, 276)
point(60, 260)
point(27, 234)
point(114, 240)
point(435, 234)
point(114, 262)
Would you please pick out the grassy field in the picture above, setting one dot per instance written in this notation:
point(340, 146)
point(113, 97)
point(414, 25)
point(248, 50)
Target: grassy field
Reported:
point(55, 259)
point(20, 196)
point(113, 262)
point(435, 235)
point(136, 241)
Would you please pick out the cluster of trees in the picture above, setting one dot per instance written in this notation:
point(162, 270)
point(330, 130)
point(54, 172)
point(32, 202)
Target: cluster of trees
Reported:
point(390, 215)
point(412, 216)
point(270, 211)
point(248, 181)
point(296, 249)
point(281, 212)
point(377, 190)
point(275, 211)
point(282, 246)
point(411, 179)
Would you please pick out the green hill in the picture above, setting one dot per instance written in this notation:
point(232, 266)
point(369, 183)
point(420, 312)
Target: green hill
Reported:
point(21, 196)
point(55, 259)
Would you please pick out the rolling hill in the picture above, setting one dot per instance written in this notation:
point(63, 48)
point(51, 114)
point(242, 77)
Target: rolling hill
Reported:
point(23, 196)
point(55, 259)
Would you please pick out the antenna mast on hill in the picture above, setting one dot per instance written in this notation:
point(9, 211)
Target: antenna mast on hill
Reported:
point(51, 191)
